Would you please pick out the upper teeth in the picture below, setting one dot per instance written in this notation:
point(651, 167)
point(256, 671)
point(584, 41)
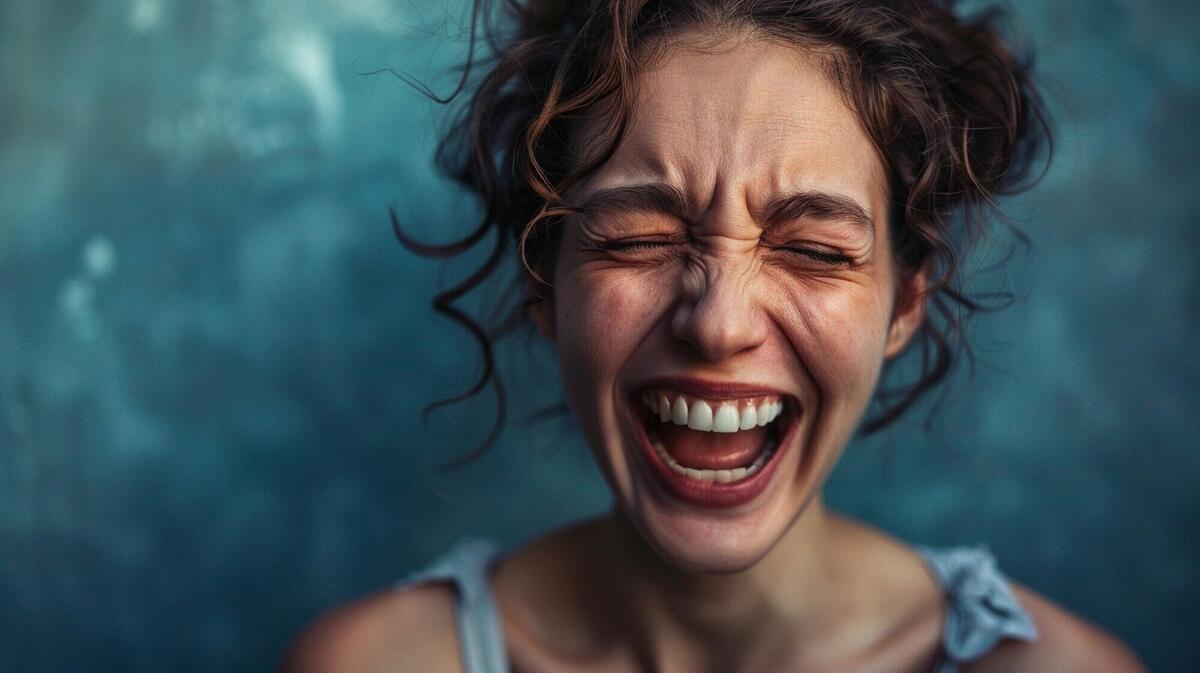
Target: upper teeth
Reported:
point(697, 414)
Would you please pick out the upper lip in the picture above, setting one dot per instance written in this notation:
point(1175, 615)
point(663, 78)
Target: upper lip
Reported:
point(710, 389)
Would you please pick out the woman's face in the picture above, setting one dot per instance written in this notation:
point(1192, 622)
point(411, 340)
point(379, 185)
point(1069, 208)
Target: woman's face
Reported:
point(723, 310)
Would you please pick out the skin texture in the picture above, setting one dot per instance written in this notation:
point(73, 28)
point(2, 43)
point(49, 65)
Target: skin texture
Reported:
point(718, 292)
point(723, 297)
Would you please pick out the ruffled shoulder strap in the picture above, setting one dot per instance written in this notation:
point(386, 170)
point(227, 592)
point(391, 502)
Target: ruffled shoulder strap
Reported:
point(981, 608)
point(480, 635)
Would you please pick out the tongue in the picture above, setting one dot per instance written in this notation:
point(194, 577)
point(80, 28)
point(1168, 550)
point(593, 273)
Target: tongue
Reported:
point(712, 450)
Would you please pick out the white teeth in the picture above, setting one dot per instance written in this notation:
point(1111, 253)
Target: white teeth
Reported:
point(764, 413)
point(679, 412)
point(726, 419)
point(722, 416)
point(700, 416)
point(666, 458)
point(749, 417)
point(719, 476)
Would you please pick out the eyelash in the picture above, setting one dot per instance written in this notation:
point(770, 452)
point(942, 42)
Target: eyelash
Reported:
point(635, 245)
point(826, 257)
point(628, 245)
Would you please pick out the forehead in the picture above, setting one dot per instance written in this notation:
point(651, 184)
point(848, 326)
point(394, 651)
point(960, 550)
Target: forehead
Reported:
point(751, 116)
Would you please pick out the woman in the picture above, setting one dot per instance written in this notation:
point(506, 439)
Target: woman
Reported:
point(734, 214)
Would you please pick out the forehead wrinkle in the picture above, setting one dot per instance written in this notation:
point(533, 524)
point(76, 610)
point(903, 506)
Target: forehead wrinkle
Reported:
point(714, 129)
point(738, 130)
point(642, 158)
point(736, 126)
point(703, 139)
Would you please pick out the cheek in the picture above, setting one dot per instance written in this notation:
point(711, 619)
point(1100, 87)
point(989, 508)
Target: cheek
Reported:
point(840, 333)
point(602, 317)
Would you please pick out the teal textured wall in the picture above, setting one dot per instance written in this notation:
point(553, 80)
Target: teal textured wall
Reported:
point(213, 353)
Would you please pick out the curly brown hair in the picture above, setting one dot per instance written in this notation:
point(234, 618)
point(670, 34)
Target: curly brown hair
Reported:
point(952, 110)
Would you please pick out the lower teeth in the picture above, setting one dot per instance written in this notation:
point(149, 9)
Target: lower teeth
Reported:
point(719, 476)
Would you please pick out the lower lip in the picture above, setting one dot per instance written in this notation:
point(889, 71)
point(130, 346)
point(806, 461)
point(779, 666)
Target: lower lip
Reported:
point(709, 493)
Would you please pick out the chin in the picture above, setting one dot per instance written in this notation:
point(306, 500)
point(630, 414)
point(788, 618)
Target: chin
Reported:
point(709, 526)
point(715, 550)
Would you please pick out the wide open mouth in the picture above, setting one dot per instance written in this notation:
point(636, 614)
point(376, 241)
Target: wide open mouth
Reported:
point(717, 452)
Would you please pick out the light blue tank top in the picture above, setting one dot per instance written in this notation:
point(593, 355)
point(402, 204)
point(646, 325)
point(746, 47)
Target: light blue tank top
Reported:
point(981, 608)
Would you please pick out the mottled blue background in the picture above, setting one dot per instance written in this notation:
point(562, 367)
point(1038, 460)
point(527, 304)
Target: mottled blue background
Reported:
point(213, 353)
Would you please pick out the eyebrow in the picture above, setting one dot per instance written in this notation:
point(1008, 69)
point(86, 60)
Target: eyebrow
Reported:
point(817, 205)
point(663, 198)
point(649, 197)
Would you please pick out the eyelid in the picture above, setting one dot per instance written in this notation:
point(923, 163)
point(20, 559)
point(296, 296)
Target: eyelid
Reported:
point(649, 239)
point(832, 258)
point(636, 244)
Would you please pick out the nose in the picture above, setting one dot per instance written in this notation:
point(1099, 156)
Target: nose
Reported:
point(718, 314)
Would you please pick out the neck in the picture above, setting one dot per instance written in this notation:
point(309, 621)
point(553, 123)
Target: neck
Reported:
point(694, 621)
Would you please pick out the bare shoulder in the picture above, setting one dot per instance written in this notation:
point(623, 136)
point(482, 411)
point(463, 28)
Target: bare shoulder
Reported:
point(410, 630)
point(1065, 644)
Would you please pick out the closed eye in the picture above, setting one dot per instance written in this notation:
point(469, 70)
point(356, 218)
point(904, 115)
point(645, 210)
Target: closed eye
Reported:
point(831, 258)
point(631, 245)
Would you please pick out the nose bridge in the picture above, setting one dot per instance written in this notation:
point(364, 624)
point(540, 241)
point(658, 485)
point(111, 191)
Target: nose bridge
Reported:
point(719, 313)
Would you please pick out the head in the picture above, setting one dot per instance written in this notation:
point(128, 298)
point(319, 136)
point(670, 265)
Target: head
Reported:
point(734, 216)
